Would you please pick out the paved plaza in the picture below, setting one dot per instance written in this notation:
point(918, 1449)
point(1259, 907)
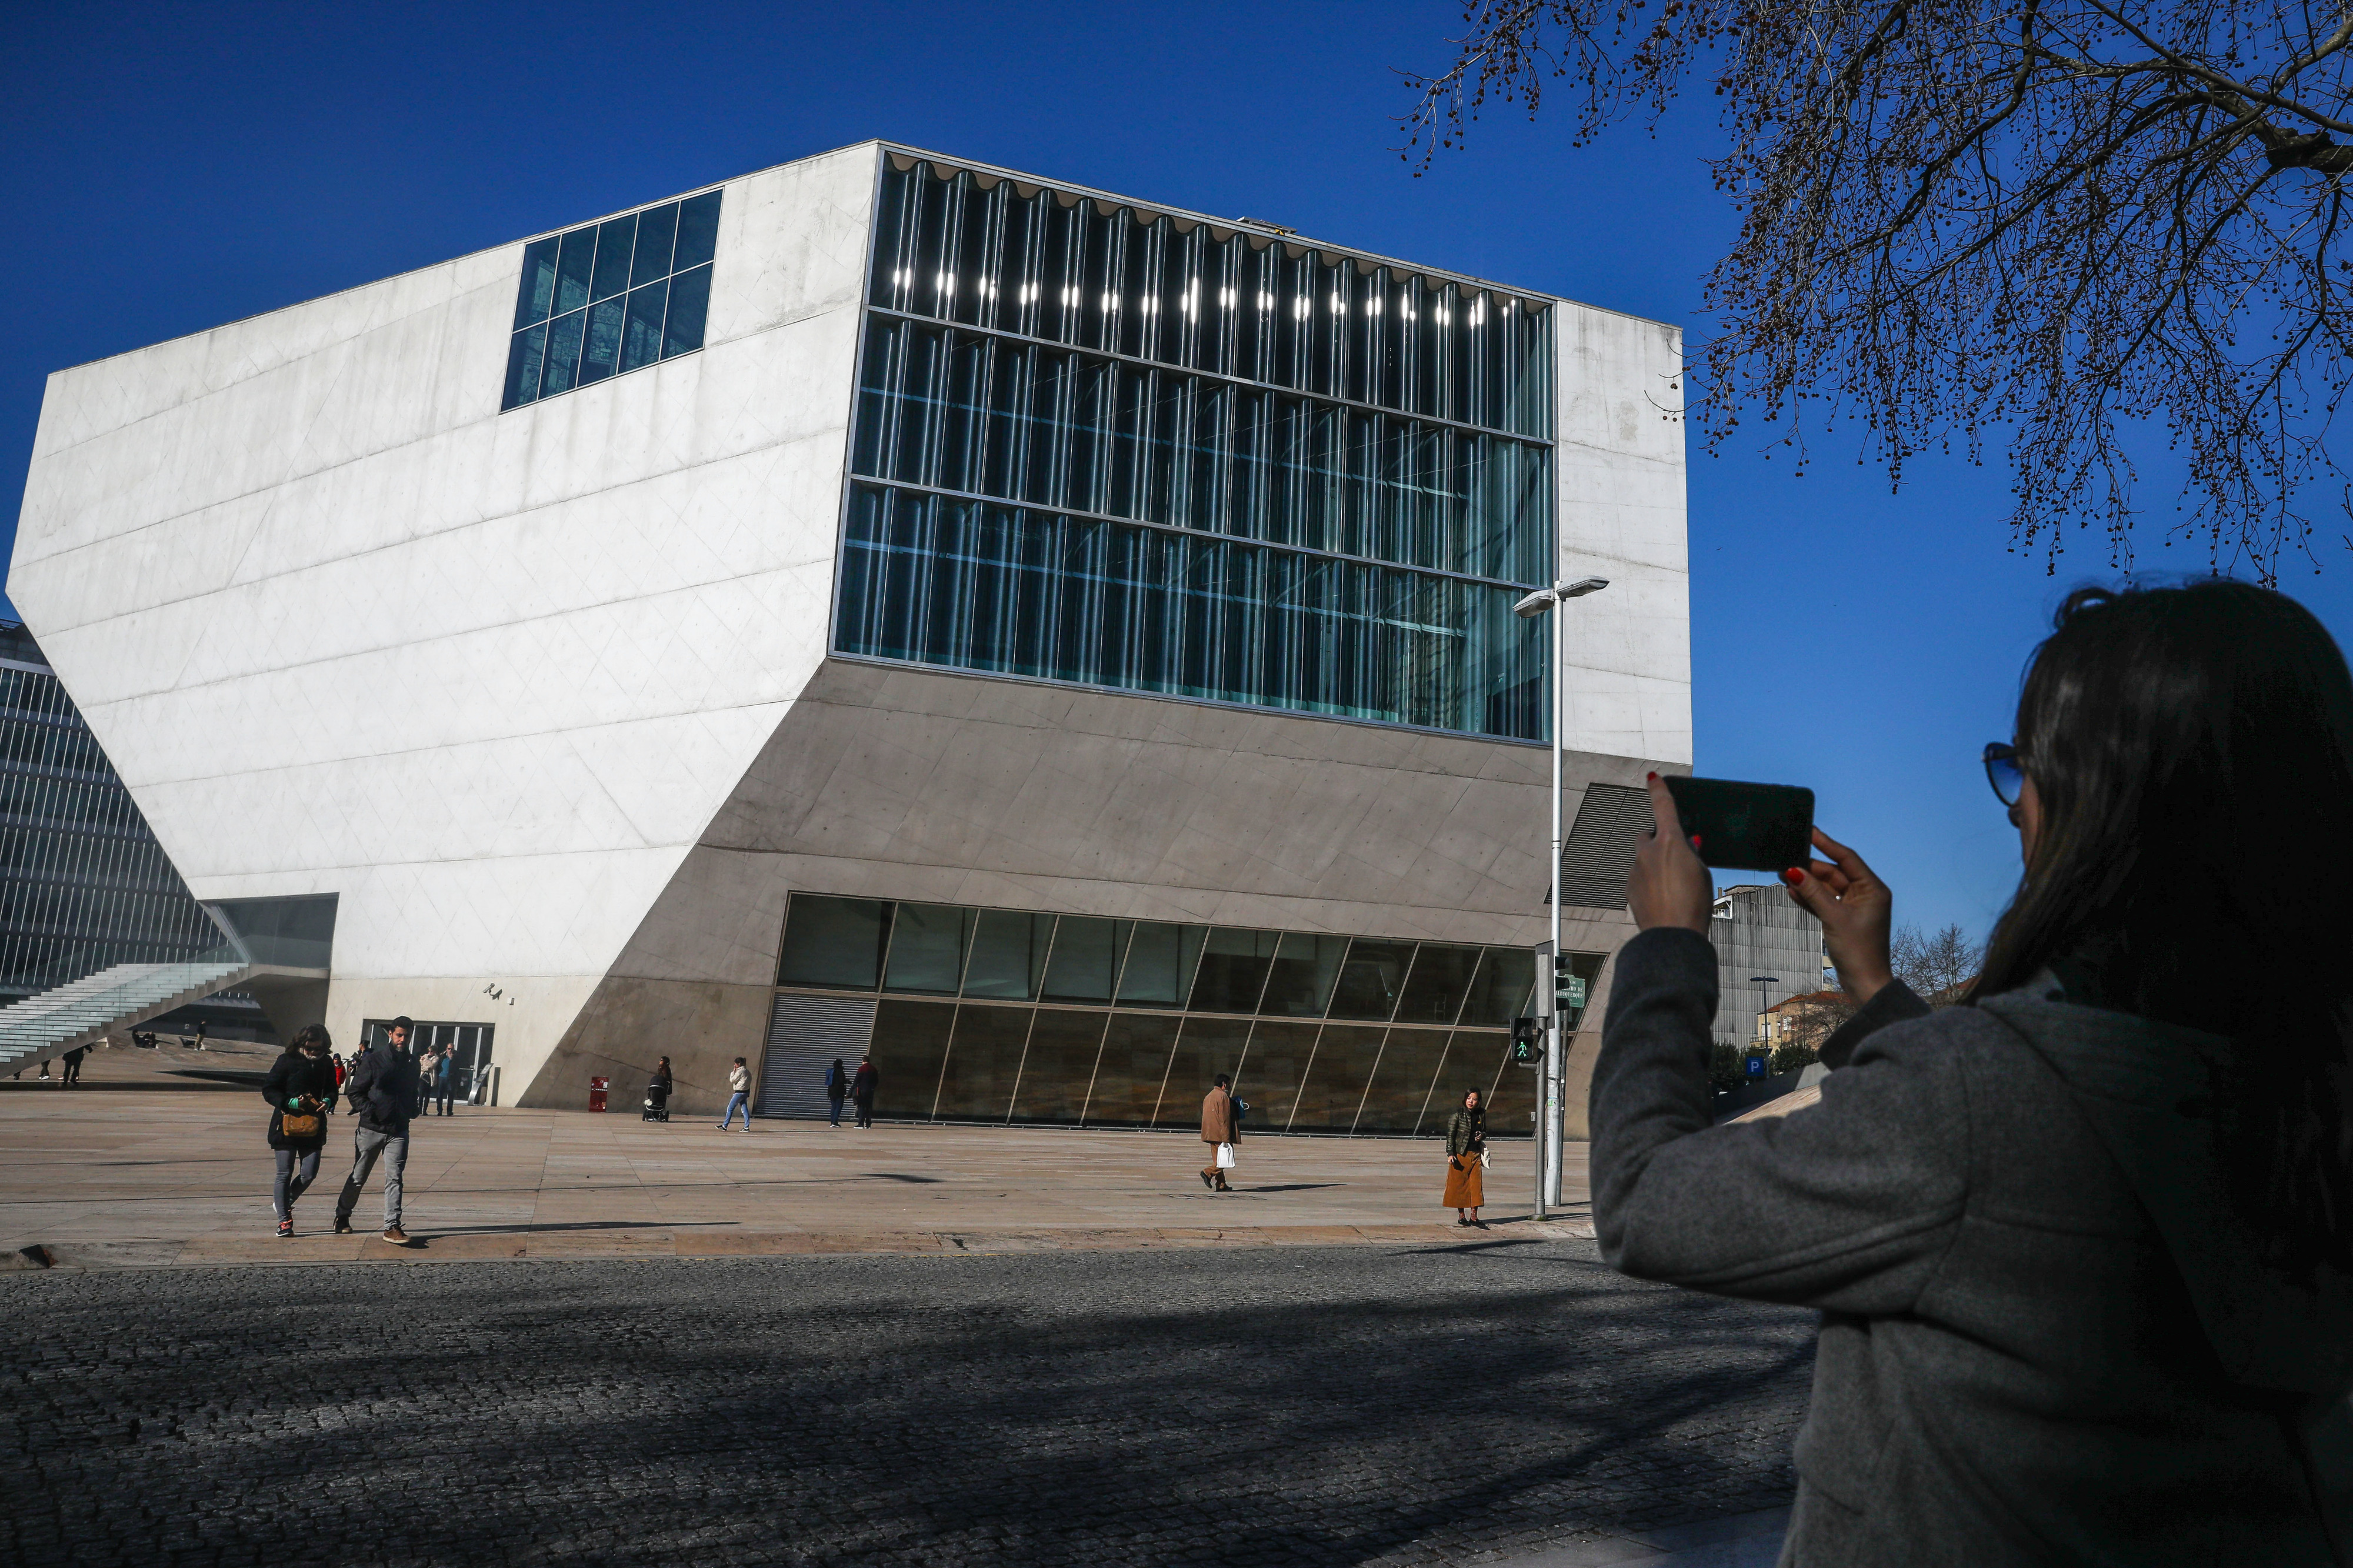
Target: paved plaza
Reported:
point(1454, 1401)
point(918, 1345)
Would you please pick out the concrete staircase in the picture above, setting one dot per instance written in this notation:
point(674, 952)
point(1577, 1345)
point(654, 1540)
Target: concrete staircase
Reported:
point(82, 1012)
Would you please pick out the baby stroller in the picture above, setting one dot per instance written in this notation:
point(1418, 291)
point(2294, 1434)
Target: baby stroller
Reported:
point(657, 1102)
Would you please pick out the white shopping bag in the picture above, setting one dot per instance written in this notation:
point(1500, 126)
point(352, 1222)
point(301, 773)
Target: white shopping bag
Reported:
point(1225, 1156)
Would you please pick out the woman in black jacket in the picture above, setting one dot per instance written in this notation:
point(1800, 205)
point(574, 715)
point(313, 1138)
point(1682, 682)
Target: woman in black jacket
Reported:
point(300, 1086)
point(657, 1089)
point(2083, 1245)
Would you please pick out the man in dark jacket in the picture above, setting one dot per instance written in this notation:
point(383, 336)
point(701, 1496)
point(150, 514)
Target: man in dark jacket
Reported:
point(384, 1088)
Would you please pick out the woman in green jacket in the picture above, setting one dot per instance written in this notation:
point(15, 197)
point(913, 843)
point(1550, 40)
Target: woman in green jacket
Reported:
point(1466, 1151)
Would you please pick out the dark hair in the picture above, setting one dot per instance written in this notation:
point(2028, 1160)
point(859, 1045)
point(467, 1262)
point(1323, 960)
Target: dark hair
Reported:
point(400, 1023)
point(2191, 753)
point(1224, 1079)
point(1483, 1097)
point(308, 1033)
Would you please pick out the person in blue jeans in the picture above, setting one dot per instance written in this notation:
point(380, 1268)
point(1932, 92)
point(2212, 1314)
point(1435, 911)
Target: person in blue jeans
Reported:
point(739, 1084)
point(837, 1086)
point(445, 1073)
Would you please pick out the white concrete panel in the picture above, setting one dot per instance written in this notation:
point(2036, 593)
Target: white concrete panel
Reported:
point(343, 626)
point(1622, 516)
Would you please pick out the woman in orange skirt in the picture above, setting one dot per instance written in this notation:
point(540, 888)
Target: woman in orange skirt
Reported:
point(1466, 1150)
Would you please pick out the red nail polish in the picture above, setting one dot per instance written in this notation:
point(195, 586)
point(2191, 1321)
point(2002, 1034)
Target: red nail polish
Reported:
point(1653, 777)
point(1694, 840)
point(1793, 876)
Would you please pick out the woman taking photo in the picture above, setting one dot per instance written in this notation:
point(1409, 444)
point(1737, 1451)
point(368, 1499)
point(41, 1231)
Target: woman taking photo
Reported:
point(300, 1089)
point(2083, 1245)
point(1466, 1152)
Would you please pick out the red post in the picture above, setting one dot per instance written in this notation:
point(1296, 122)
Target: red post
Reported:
point(596, 1087)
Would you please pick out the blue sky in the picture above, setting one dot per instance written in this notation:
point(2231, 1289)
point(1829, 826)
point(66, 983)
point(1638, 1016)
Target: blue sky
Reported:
point(172, 168)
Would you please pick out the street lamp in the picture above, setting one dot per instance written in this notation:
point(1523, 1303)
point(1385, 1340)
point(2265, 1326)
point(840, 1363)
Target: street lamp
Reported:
point(1760, 982)
point(1547, 1148)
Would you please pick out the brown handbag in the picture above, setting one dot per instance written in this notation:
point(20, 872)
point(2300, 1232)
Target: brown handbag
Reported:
point(302, 1126)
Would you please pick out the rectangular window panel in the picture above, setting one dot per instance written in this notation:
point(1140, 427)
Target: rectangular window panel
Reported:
point(1086, 959)
point(537, 299)
point(1400, 1090)
point(698, 231)
point(657, 228)
point(1160, 963)
point(1272, 1072)
point(689, 298)
point(834, 942)
point(1337, 1078)
point(910, 1047)
point(1233, 970)
point(524, 359)
point(1008, 956)
point(603, 300)
point(927, 949)
point(562, 370)
point(600, 351)
point(1440, 979)
point(1304, 968)
point(613, 240)
point(572, 271)
point(1206, 1048)
point(984, 1061)
point(1060, 1066)
point(641, 325)
point(1371, 979)
point(1504, 989)
point(1132, 1069)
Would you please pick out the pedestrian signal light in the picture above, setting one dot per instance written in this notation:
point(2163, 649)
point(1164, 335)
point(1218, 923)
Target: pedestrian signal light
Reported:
point(1527, 1043)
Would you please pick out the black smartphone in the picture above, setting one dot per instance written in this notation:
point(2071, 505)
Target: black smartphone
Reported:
point(1755, 826)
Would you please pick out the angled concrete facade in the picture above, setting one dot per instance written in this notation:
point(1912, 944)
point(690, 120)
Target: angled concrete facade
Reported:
point(548, 694)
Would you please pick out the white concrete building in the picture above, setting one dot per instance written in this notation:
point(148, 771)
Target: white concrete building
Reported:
point(937, 549)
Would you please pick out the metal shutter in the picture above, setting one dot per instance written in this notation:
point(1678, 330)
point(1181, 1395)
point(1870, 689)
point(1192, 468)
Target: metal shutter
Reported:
point(805, 1034)
point(1599, 854)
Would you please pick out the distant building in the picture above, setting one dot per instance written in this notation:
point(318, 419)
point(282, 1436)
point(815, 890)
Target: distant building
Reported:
point(1767, 949)
point(83, 883)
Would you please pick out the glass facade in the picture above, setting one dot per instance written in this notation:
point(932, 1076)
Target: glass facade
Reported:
point(611, 297)
point(1102, 445)
point(1005, 1016)
point(83, 884)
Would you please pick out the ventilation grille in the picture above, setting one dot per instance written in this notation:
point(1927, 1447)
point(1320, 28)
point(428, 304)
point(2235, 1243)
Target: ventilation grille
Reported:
point(805, 1034)
point(1599, 854)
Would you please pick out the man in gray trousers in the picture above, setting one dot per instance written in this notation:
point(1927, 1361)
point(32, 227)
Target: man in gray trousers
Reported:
point(384, 1087)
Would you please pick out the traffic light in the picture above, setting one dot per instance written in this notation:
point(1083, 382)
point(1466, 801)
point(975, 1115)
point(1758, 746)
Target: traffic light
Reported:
point(1527, 1043)
point(1568, 989)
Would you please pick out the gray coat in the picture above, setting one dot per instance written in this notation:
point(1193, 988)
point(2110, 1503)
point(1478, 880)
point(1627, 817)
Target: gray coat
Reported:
point(2044, 1337)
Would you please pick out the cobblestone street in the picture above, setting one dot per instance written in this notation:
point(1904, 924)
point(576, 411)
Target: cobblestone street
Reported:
point(1414, 1404)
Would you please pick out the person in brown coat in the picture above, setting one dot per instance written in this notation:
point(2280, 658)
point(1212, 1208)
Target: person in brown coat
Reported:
point(1217, 1127)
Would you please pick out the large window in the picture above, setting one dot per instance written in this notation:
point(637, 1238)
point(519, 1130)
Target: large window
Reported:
point(1112, 447)
point(612, 297)
point(999, 1015)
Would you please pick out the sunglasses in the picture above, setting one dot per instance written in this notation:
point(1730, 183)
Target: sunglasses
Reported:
point(2002, 771)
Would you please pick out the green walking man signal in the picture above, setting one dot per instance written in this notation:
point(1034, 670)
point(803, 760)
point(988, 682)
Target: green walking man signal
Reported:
point(1527, 1043)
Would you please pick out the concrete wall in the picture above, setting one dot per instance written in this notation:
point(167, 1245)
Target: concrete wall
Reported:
point(343, 626)
point(908, 783)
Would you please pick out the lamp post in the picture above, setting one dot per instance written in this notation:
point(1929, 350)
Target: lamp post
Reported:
point(1760, 982)
point(1547, 1139)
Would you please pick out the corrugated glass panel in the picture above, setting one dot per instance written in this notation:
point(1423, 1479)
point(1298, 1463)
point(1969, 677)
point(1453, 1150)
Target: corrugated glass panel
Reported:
point(927, 949)
point(1337, 1079)
point(1299, 985)
point(1505, 988)
point(1008, 954)
point(1132, 1069)
point(1086, 960)
point(1273, 1069)
point(1440, 981)
point(1401, 1084)
point(1234, 966)
point(1207, 1046)
point(1371, 978)
point(1060, 1066)
point(834, 942)
point(911, 1045)
point(984, 1063)
point(1161, 958)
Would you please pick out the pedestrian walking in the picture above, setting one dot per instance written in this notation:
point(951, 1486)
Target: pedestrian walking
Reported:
point(445, 1079)
point(836, 1085)
point(383, 1088)
point(657, 1090)
point(739, 1095)
point(73, 1064)
point(1466, 1161)
point(427, 1063)
point(1219, 1128)
point(300, 1089)
point(861, 1090)
point(2083, 1244)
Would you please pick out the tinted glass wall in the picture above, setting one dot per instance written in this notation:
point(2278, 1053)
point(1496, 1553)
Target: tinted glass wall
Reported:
point(83, 884)
point(1005, 1016)
point(611, 297)
point(1112, 447)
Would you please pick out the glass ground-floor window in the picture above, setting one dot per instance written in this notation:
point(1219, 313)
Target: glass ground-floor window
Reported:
point(970, 584)
point(1079, 1020)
